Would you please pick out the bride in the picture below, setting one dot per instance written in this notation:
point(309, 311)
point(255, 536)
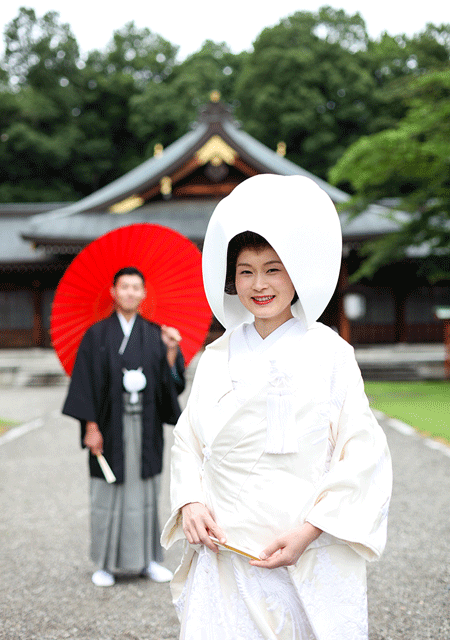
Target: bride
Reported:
point(281, 476)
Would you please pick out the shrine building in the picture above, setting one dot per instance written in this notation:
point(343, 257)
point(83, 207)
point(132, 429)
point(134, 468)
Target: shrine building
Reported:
point(179, 188)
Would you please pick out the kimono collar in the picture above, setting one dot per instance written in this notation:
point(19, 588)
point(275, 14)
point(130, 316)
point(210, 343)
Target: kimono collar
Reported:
point(257, 343)
point(255, 364)
point(127, 325)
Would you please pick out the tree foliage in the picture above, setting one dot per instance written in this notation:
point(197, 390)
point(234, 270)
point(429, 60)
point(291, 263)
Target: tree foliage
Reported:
point(65, 120)
point(70, 124)
point(305, 84)
point(409, 161)
point(164, 111)
point(39, 52)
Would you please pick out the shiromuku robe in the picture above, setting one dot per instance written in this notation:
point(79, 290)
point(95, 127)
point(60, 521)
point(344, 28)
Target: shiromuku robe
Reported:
point(337, 477)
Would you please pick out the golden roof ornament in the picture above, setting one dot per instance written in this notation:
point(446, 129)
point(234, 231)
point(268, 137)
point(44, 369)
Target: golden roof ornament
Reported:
point(126, 205)
point(281, 149)
point(216, 151)
point(166, 186)
point(215, 96)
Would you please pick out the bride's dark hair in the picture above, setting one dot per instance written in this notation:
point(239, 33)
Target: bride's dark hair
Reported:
point(244, 240)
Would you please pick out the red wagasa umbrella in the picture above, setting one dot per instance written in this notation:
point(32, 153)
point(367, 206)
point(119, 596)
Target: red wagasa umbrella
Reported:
point(171, 265)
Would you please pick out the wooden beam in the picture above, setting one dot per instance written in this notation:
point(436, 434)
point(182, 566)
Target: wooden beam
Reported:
point(187, 168)
point(151, 193)
point(218, 190)
point(246, 169)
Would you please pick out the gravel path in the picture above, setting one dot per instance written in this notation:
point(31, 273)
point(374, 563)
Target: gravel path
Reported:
point(45, 588)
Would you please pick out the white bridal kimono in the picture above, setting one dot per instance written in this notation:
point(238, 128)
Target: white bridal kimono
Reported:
point(277, 432)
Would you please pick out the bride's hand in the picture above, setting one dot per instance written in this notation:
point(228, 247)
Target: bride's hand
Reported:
point(199, 525)
point(287, 549)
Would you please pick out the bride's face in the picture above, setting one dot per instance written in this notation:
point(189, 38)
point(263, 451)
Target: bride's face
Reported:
point(263, 284)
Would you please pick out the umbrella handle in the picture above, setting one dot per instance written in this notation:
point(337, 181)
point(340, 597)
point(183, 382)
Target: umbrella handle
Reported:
point(107, 471)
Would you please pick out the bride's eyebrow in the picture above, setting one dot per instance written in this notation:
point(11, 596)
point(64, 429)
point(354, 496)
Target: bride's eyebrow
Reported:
point(246, 264)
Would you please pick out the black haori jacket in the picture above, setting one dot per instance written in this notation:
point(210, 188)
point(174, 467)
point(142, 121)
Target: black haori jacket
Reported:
point(96, 389)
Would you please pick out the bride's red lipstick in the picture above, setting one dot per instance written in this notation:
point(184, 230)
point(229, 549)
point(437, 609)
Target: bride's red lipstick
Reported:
point(263, 300)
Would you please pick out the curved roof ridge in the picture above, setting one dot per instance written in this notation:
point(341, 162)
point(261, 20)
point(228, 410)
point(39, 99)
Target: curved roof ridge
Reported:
point(277, 163)
point(125, 185)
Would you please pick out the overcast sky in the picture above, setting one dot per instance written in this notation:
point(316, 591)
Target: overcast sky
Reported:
point(236, 22)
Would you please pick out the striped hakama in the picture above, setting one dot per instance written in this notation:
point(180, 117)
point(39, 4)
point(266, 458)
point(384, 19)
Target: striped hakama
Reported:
point(124, 517)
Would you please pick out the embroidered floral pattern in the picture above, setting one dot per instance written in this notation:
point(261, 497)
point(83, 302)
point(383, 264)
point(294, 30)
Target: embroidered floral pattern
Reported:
point(281, 426)
point(206, 453)
point(275, 587)
point(336, 601)
point(212, 612)
point(279, 379)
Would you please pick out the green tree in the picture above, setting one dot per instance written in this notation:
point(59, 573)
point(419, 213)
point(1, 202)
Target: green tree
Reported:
point(69, 125)
point(410, 162)
point(165, 110)
point(64, 120)
point(393, 61)
point(37, 96)
point(39, 52)
point(139, 53)
point(109, 81)
point(305, 83)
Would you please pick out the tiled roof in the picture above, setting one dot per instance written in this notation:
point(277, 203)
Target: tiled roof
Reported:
point(80, 222)
point(274, 163)
point(146, 174)
point(189, 217)
point(13, 248)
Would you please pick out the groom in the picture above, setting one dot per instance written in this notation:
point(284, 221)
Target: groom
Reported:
point(126, 427)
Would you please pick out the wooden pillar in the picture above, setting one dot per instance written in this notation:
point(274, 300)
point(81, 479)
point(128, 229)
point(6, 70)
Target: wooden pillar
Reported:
point(447, 348)
point(38, 327)
point(343, 322)
point(401, 329)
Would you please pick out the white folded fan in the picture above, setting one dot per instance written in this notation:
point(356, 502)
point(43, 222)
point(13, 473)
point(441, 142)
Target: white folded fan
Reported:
point(107, 471)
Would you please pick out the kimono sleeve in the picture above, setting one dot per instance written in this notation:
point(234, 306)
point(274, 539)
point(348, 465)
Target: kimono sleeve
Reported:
point(177, 373)
point(80, 401)
point(186, 464)
point(172, 384)
point(352, 500)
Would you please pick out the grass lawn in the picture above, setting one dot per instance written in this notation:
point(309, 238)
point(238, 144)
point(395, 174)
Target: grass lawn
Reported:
point(423, 405)
point(5, 425)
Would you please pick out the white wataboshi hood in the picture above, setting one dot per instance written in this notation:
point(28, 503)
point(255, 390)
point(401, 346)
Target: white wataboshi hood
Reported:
point(300, 222)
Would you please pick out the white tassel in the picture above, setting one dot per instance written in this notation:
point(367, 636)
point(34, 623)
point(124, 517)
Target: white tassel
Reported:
point(133, 381)
point(281, 432)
